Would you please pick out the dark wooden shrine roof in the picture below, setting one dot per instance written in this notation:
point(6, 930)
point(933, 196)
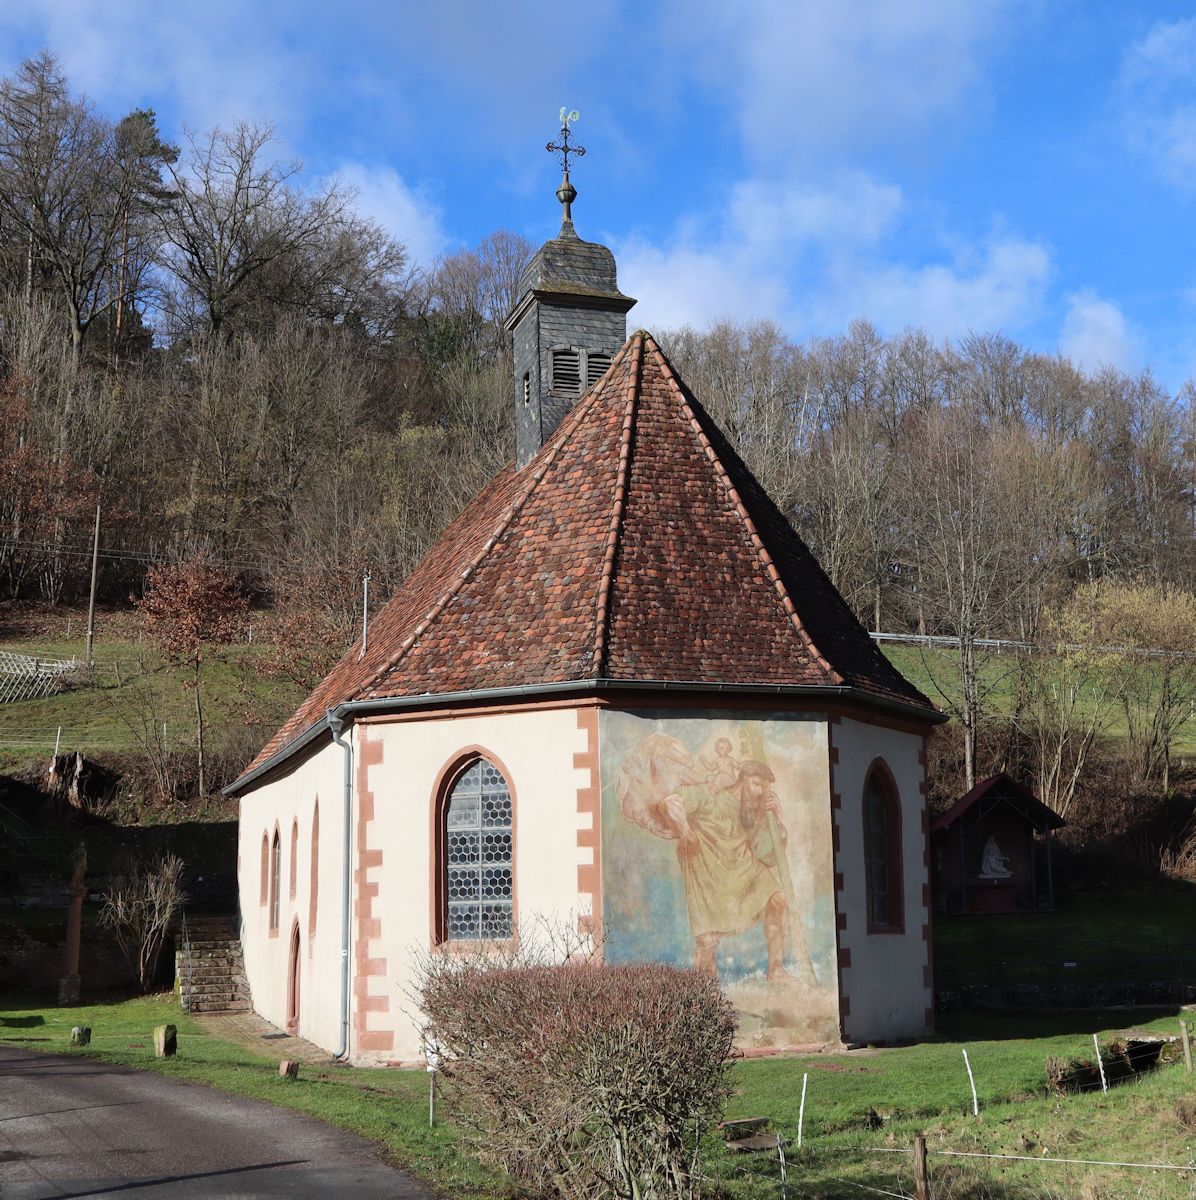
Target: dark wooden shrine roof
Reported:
point(1001, 787)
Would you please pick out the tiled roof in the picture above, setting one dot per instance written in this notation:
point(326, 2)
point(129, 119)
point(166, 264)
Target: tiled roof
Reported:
point(1001, 788)
point(635, 546)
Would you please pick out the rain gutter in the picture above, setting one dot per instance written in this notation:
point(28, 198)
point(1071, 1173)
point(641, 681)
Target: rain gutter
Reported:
point(575, 687)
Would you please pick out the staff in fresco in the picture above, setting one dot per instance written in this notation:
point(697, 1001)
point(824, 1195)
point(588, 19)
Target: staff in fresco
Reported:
point(730, 842)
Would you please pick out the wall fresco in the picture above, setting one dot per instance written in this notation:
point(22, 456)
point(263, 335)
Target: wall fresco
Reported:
point(717, 855)
point(716, 847)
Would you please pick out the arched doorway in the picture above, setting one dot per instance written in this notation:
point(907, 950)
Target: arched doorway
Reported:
point(293, 982)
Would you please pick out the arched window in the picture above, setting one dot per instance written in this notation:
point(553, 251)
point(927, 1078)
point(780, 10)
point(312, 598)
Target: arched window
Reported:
point(275, 873)
point(882, 852)
point(265, 869)
point(313, 890)
point(476, 884)
point(294, 857)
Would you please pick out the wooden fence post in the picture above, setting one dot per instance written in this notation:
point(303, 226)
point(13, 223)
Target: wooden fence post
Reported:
point(921, 1176)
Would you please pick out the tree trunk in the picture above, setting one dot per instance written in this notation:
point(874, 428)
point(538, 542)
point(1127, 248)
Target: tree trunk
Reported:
point(118, 325)
point(29, 271)
point(970, 706)
point(199, 732)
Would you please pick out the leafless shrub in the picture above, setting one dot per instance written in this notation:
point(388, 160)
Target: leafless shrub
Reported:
point(1071, 1075)
point(139, 906)
point(583, 1080)
point(1178, 862)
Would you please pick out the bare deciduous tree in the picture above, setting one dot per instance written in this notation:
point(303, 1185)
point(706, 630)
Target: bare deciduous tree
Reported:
point(139, 906)
point(235, 215)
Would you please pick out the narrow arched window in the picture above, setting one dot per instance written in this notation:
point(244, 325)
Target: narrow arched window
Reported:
point(275, 873)
point(294, 881)
point(313, 891)
point(265, 868)
point(477, 881)
point(882, 853)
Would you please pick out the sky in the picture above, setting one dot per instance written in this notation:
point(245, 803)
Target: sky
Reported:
point(1024, 167)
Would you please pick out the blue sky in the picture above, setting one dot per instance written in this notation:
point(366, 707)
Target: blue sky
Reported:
point(963, 165)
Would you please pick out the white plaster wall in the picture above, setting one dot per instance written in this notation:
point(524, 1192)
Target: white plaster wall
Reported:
point(885, 983)
point(537, 749)
point(294, 795)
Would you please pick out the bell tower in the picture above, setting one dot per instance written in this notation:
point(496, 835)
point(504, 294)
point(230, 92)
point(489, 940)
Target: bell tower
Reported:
point(569, 322)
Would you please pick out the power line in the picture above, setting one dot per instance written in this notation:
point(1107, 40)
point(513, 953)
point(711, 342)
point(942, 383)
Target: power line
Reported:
point(115, 555)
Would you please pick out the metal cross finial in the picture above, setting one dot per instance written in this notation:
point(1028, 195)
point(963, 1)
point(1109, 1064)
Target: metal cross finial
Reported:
point(565, 148)
point(566, 193)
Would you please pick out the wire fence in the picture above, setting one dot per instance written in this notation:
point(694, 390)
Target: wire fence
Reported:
point(969, 1156)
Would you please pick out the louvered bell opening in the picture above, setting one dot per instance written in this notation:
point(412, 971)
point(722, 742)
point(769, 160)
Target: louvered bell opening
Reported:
point(566, 372)
point(596, 366)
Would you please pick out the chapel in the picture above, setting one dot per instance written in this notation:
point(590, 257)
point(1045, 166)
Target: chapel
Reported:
point(618, 697)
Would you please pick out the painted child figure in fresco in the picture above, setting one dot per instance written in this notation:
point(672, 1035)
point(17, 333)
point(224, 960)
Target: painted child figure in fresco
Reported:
point(722, 767)
point(725, 845)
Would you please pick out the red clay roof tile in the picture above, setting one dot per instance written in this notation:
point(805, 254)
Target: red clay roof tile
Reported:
point(636, 545)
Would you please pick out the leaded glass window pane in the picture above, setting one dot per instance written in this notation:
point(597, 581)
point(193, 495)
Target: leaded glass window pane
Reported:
point(876, 855)
point(477, 839)
point(275, 873)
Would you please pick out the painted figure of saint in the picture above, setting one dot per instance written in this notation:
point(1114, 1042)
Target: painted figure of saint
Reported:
point(730, 844)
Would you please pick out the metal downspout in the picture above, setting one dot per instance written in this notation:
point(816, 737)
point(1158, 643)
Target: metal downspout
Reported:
point(335, 726)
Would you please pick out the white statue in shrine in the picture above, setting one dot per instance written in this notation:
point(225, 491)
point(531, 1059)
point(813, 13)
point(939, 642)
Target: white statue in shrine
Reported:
point(993, 864)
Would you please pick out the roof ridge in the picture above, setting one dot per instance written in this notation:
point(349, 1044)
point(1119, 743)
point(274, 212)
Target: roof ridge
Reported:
point(504, 523)
point(741, 509)
point(610, 551)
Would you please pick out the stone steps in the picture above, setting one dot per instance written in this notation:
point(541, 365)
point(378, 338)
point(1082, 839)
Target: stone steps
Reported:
point(213, 969)
point(204, 985)
point(201, 1005)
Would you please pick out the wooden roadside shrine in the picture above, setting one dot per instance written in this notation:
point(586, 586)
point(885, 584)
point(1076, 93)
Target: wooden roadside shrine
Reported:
point(991, 851)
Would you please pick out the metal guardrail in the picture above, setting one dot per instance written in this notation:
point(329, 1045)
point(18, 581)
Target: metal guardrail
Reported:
point(186, 966)
point(999, 644)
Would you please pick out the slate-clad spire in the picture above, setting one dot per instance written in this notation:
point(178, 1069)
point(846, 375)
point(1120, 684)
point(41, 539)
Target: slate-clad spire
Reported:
point(569, 322)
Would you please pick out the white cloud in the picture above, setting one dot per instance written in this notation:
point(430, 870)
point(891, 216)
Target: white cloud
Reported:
point(997, 286)
point(816, 257)
point(744, 261)
point(1095, 334)
point(407, 214)
point(810, 76)
point(852, 208)
point(216, 63)
point(1156, 97)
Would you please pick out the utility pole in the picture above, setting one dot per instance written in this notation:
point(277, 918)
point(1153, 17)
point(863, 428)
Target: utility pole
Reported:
point(365, 613)
point(91, 603)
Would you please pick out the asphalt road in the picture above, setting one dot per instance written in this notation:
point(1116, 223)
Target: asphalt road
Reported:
point(73, 1127)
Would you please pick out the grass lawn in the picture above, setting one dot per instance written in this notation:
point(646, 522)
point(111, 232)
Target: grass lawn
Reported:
point(133, 693)
point(935, 671)
point(915, 1089)
point(1108, 936)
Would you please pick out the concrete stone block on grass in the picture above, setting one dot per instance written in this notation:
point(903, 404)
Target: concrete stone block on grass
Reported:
point(81, 1035)
point(166, 1041)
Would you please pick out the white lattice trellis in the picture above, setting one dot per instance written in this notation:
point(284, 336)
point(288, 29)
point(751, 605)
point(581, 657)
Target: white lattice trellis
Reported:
point(23, 677)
